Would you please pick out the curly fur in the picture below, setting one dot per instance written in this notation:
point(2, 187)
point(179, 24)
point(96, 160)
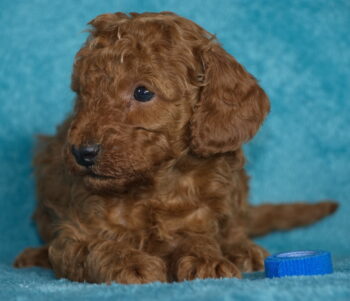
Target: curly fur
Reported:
point(166, 199)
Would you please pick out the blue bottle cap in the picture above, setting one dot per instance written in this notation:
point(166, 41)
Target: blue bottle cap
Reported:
point(298, 263)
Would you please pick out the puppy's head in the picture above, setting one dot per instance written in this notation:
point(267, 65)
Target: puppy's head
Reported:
point(151, 87)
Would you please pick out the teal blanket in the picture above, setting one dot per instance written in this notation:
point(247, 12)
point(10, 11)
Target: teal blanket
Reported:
point(299, 51)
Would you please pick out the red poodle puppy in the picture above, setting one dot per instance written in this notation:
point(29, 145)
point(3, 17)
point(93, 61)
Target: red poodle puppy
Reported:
point(145, 180)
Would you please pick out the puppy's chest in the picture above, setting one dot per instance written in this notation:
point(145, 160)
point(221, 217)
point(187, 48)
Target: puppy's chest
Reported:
point(129, 216)
point(152, 217)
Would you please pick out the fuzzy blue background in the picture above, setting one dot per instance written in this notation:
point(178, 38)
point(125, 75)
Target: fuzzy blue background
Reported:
point(300, 52)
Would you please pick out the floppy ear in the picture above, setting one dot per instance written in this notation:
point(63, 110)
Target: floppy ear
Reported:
point(231, 106)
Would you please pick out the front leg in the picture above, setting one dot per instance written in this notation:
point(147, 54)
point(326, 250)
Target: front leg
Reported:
point(243, 252)
point(104, 261)
point(198, 256)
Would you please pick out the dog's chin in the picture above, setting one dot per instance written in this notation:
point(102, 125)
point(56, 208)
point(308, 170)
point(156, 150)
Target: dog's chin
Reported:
point(99, 183)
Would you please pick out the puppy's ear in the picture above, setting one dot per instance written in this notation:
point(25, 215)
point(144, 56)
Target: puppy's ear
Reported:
point(231, 106)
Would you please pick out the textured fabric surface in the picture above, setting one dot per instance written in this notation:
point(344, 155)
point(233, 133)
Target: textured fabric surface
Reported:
point(300, 52)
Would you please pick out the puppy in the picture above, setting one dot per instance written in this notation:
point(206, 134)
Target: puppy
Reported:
point(145, 180)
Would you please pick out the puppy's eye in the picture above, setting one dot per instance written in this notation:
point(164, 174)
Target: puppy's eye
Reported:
point(143, 94)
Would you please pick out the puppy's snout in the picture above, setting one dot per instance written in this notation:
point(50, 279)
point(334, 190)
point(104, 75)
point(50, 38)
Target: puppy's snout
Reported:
point(85, 155)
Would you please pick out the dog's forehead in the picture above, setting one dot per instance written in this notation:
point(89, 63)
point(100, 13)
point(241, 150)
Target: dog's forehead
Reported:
point(145, 36)
point(139, 52)
point(160, 28)
point(156, 50)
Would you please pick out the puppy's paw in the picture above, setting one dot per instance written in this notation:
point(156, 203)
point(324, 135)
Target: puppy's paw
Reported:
point(191, 267)
point(248, 257)
point(33, 257)
point(140, 268)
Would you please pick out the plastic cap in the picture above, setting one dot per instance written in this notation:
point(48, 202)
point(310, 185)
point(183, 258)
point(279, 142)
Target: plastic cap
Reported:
point(298, 263)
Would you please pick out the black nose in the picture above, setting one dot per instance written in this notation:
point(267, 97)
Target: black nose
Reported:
point(86, 155)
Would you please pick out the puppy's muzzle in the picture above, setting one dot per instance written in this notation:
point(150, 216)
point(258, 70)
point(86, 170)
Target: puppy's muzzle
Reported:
point(85, 155)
